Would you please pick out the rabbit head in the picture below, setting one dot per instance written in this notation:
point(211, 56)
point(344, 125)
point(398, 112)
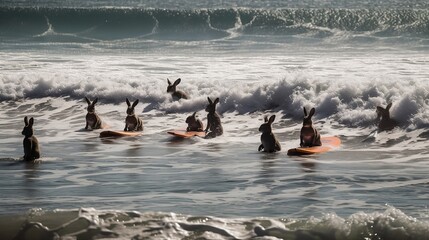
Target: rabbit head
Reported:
point(28, 127)
point(171, 88)
point(192, 119)
point(130, 109)
point(266, 126)
point(91, 105)
point(211, 107)
point(177, 94)
point(384, 113)
point(307, 117)
point(194, 124)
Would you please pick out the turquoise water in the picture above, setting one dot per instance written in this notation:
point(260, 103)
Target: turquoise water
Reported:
point(259, 61)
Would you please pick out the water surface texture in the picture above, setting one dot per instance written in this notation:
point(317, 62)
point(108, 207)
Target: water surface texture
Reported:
point(260, 58)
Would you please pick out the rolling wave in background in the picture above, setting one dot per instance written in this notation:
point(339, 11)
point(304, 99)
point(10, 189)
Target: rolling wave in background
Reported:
point(94, 25)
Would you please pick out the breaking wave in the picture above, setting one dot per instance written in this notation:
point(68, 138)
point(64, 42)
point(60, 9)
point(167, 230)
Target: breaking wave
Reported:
point(95, 224)
point(351, 103)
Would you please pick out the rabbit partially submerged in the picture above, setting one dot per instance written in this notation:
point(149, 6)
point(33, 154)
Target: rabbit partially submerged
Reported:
point(30, 142)
point(385, 123)
point(177, 94)
point(194, 124)
point(132, 121)
point(268, 139)
point(213, 120)
point(309, 135)
point(93, 121)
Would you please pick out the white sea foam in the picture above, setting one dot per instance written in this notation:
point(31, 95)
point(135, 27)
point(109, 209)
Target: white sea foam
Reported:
point(349, 99)
point(89, 223)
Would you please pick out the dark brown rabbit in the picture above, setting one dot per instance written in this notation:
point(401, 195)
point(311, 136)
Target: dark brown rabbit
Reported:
point(132, 121)
point(93, 121)
point(309, 135)
point(213, 120)
point(385, 123)
point(30, 142)
point(177, 94)
point(194, 124)
point(268, 139)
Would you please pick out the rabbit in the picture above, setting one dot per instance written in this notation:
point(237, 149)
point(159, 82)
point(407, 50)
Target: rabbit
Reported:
point(194, 124)
point(177, 94)
point(268, 139)
point(385, 123)
point(309, 135)
point(213, 120)
point(30, 142)
point(132, 122)
point(93, 121)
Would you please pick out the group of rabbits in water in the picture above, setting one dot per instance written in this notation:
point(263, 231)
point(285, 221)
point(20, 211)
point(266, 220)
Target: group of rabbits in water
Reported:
point(309, 136)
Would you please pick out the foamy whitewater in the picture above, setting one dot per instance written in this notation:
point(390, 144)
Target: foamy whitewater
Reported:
point(260, 58)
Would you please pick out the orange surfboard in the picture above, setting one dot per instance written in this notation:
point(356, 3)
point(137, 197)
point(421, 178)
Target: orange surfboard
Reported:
point(186, 134)
point(328, 143)
point(112, 133)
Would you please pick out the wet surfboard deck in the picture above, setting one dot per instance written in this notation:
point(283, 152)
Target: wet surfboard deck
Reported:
point(113, 133)
point(328, 144)
point(186, 134)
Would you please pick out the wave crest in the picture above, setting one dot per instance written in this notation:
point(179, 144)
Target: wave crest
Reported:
point(96, 24)
point(351, 104)
point(90, 223)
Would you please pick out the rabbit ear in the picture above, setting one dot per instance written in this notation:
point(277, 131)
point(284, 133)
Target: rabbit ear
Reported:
point(210, 101)
point(168, 81)
point(380, 109)
point(30, 123)
point(388, 106)
point(177, 82)
point(87, 100)
point(195, 114)
point(216, 100)
point(26, 120)
point(135, 103)
point(272, 118)
point(128, 102)
point(305, 112)
point(265, 119)
point(95, 101)
point(312, 111)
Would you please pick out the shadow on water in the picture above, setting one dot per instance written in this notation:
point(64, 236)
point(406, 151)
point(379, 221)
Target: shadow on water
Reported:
point(268, 161)
point(7, 162)
point(118, 139)
point(172, 141)
point(31, 168)
point(307, 163)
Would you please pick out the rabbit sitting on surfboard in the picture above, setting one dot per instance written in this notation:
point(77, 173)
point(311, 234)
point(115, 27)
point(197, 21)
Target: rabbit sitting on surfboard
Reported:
point(309, 135)
point(177, 94)
point(213, 120)
point(385, 123)
point(30, 142)
point(268, 139)
point(132, 121)
point(194, 124)
point(93, 121)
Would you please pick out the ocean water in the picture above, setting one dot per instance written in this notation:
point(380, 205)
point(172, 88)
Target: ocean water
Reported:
point(260, 58)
